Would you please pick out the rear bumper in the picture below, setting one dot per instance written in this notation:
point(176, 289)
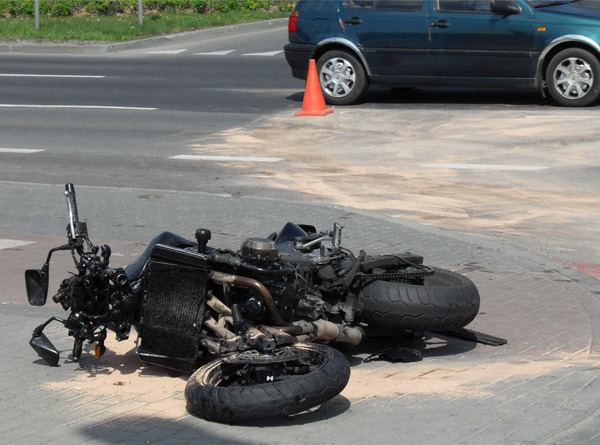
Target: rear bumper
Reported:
point(298, 56)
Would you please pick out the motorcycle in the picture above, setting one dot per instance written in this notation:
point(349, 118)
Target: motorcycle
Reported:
point(260, 329)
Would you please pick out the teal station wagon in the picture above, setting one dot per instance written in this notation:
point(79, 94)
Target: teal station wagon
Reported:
point(550, 45)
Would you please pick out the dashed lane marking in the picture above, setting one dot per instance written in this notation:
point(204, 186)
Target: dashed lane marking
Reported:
point(172, 51)
point(20, 150)
point(265, 54)
point(218, 53)
point(65, 76)
point(225, 158)
point(215, 53)
point(79, 107)
point(487, 167)
point(11, 243)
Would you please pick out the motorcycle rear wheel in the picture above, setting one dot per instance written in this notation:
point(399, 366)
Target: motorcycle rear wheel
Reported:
point(442, 302)
point(250, 386)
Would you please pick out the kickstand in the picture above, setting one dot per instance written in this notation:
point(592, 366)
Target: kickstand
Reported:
point(474, 336)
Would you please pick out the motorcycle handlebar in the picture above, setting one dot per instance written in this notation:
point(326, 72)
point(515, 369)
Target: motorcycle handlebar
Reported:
point(72, 208)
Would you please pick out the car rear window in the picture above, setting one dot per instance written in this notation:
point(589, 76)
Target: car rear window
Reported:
point(386, 5)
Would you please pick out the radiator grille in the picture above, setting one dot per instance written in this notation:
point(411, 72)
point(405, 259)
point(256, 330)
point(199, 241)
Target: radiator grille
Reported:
point(173, 307)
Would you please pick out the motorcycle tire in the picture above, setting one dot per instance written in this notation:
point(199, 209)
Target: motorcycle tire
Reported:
point(308, 375)
point(443, 301)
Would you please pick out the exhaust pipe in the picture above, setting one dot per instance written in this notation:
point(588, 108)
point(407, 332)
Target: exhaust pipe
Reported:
point(250, 283)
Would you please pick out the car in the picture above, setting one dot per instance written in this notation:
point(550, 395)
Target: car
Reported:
point(549, 45)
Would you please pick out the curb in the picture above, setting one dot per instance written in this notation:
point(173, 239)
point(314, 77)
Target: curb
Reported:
point(78, 47)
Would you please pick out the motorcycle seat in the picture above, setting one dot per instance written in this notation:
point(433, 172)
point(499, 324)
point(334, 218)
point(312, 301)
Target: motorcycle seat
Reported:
point(136, 268)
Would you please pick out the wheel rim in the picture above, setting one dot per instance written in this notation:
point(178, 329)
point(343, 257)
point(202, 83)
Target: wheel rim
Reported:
point(250, 368)
point(337, 77)
point(573, 78)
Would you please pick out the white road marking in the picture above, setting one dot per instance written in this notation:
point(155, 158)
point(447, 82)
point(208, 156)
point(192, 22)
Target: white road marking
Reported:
point(10, 243)
point(215, 53)
point(66, 76)
point(225, 158)
point(20, 150)
point(85, 107)
point(265, 54)
point(172, 51)
point(562, 116)
point(486, 167)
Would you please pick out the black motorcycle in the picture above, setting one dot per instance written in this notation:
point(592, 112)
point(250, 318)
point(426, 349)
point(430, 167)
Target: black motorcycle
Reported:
point(256, 325)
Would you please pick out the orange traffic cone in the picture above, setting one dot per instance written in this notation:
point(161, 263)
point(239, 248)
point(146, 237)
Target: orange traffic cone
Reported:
point(314, 102)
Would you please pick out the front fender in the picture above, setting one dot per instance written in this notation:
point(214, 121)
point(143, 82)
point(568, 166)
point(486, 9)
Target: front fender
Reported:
point(568, 40)
point(339, 42)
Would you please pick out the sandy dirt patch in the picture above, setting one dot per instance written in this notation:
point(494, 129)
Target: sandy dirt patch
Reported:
point(382, 163)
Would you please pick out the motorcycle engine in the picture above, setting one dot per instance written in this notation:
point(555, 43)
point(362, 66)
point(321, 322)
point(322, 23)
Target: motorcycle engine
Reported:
point(259, 252)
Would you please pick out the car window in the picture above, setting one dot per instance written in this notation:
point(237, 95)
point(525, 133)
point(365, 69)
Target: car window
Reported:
point(464, 5)
point(386, 5)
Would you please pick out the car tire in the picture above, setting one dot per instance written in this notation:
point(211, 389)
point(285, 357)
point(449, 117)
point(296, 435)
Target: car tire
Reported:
point(573, 78)
point(342, 77)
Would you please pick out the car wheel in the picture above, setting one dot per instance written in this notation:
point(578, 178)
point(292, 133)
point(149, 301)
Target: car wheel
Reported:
point(573, 78)
point(342, 77)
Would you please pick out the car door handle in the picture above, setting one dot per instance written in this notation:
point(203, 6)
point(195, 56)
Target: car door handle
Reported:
point(440, 24)
point(353, 21)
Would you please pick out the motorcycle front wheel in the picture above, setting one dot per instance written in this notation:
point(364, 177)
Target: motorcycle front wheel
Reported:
point(441, 302)
point(250, 386)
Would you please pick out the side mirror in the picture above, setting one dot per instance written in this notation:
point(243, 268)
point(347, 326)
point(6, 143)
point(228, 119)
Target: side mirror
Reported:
point(45, 349)
point(506, 7)
point(36, 284)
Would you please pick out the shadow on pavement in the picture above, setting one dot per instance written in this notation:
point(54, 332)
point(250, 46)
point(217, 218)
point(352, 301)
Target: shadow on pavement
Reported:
point(445, 97)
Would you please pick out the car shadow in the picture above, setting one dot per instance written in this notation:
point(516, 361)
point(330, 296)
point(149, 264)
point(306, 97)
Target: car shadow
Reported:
point(444, 97)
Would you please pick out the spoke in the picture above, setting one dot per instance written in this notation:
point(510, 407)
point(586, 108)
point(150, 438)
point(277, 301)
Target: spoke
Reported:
point(348, 75)
point(345, 67)
point(563, 71)
point(327, 71)
point(562, 83)
point(344, 88)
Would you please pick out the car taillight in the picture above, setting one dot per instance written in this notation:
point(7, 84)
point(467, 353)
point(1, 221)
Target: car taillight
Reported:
point(293, 22)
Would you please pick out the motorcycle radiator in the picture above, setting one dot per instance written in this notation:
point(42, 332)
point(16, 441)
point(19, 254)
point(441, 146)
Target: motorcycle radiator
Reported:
point(173, 308)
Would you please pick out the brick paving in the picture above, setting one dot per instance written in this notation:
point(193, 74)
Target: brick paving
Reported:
point(542, 387)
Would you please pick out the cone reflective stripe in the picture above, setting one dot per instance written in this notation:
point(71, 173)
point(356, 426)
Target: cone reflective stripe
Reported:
point(314, 102)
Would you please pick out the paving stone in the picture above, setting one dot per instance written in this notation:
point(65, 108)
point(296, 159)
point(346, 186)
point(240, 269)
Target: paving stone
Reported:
point(548, 312)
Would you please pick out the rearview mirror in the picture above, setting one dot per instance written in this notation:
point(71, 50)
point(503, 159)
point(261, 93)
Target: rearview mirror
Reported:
point(505, 7)
point(36, 284)
point(45, 349)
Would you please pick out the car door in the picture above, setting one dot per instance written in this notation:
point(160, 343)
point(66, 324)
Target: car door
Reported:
point(392, 34)
point(469, 40)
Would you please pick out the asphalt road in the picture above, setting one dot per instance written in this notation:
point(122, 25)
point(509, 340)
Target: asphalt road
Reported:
point(125, 119)
point(117, 118)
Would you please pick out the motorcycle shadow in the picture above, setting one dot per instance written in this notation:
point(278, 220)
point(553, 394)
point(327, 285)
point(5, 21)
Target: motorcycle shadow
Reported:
point(327, 410)
point(406, 348)
point(118, 362)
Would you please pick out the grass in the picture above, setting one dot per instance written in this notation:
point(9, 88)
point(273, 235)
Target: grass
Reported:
point(123, 27)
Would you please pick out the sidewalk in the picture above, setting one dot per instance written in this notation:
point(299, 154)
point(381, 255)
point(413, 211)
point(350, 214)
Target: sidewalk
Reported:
point(542, 387)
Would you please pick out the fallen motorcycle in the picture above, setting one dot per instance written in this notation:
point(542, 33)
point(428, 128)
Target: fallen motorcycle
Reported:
point(255, 326)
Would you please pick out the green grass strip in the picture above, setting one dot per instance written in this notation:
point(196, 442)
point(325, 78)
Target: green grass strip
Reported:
point(121, 28)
